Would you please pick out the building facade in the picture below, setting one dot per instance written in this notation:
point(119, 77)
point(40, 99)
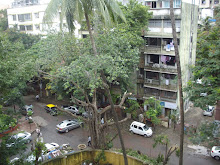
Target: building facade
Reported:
point(27, 16)
point(157, 75)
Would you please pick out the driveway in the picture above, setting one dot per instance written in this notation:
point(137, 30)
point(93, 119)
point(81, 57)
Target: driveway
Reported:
point(78, 136)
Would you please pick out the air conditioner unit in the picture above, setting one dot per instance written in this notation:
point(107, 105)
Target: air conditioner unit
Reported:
point(149, 81)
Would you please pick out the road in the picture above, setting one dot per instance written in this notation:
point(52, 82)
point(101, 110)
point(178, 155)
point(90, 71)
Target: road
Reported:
point(79, 136)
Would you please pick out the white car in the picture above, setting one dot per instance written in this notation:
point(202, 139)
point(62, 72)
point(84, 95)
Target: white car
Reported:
point(209, 111)
point(215, 152)
point(73, 110)
point(51, 146)
point(22, 137)
point(141, 129)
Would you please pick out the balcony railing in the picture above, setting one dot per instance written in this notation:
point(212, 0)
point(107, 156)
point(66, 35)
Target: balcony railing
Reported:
point(159, 84)
point(161, 67)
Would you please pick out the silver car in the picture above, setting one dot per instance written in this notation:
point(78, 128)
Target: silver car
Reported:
point(73, 110)
point(22, 137)
point(67, 125)
point(209, 111)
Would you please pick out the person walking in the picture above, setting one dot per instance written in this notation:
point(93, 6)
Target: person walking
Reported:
point(37, 97)
point(89, 141)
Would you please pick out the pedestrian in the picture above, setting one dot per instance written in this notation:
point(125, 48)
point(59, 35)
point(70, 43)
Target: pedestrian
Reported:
point(89, 141)
point(102, 121)
point(38, 132)
point(37, 97)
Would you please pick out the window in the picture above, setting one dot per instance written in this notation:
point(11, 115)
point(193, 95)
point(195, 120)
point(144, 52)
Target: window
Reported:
point(167, 24)
point(135, 126)
point(25, 27)
point(154, 5)
point(24, 17)
point(22, 27)
point(155, 23)
point(203, 2)
point(36, 15)
point(140, 128)
point(216, 2)
point(154, 41)
point(169, 94)
point(14, 17)
point(177, 23)
point(176, 4)
point(29, 27)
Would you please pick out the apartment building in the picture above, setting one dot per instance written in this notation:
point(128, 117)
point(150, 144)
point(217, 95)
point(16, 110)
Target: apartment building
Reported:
point(27, 16)
point(157, 75)
point(206, 8)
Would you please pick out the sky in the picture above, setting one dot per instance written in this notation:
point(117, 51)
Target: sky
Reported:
point(5, 2)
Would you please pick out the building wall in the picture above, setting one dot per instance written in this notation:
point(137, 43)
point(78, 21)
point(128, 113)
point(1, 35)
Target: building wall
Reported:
point(36, 12)
point(188, 41)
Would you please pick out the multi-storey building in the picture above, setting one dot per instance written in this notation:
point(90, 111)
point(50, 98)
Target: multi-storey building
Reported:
point(206, 8)
point(157, 76)
point(27, 16)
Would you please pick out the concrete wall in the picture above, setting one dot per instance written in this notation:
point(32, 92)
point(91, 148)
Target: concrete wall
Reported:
point(78, 158)
point(188, 40)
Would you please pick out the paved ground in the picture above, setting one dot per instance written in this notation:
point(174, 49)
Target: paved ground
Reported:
point(48, 124)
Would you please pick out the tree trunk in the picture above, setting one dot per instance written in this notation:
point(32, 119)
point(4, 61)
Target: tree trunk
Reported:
point(108, 92)
point(179, 81)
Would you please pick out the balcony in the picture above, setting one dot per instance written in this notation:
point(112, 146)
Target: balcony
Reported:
point(161, 68)
point(169, 85)
point(157, 50)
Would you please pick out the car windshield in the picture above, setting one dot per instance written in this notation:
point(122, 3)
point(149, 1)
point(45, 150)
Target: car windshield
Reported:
point(62, 124)
point(146, 127)
point(217, 148)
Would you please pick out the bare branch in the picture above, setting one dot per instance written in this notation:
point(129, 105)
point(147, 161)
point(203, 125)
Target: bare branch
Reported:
point(112, 123)
point(124, 97)
point(109, 108)
point(82, 103)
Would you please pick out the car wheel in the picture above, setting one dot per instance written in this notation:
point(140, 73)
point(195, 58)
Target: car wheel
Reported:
point(67, 130)
point(217, 158)
point(145, 135)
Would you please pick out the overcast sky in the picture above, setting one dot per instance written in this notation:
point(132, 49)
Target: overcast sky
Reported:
point(5, 2)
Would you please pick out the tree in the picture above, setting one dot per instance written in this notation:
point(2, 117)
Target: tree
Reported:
point(106, 11)
point(16, 69)
point(3, 20)
point(179, 81)
point(154, 110)
point(163, 140)
point(204, 89)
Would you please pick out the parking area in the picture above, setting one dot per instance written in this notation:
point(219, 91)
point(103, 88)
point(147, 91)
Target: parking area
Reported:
point(80, 135)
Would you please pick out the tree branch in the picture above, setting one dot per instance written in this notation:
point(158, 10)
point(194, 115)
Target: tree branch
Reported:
point(112, 123)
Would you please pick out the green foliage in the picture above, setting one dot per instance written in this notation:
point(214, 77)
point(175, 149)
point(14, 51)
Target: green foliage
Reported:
point(3, 20)
point(146, 159)
point(137, 16)
point(161, 139)
point(207, 67)
point(6, 122)
point(154, 110)
point(38, 150)
point(15, 70)
point(204, 135)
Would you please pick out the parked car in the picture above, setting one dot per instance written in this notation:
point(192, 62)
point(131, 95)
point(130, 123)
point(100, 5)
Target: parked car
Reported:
point(73, 110)
point(51, 108)
point(67, 125)
point(22, 137)
point(141, 129)
point(27, 108)
point(51, 146)
point(86, 114)
point(215, 152)
point(209, 111)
